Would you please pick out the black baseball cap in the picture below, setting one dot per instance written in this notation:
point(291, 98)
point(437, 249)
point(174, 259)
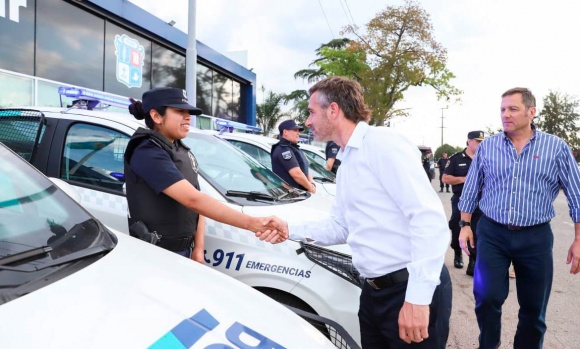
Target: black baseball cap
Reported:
point(289, 125)
point(168, 97)
point(477, 135)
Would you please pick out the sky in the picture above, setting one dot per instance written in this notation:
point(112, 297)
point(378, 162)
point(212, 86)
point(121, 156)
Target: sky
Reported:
point(492, 46)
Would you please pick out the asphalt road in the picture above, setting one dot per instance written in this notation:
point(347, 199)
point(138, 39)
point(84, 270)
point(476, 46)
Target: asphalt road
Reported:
point(563, 316)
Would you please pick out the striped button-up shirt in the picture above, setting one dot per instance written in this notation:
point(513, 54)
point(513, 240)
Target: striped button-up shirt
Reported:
point(520, 189)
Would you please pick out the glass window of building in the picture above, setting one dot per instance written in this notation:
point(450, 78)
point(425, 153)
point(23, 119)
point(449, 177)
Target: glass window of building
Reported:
point(15, 91)
point(168, 68)
point(204, 88)
point(222, 96)
point(69, 44)
point(235, 106)
point(127, 62)
point(17, 38)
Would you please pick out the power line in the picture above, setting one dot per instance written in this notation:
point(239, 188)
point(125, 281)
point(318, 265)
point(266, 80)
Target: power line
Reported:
point(344, 10)
point(348, 8)
point(324, 13)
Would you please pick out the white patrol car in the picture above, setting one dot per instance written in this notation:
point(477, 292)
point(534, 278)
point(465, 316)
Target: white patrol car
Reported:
point(67, 282)
point(260, 147)
point(85, 148)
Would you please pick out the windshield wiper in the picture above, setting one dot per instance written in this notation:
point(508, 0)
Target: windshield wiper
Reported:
point(324, 179)
point(88, 252)
point(251, 195)
point(24, 255)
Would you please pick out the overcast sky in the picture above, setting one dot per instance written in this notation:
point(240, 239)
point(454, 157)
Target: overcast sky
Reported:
point(492, 45)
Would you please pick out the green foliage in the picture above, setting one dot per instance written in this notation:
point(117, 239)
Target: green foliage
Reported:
point(270, 111)
point(560, 118)
point(446, 148)
point(490, 131)
point(300, 108)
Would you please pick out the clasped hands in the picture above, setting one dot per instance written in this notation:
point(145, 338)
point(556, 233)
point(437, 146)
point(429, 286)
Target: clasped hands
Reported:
point(271, 229)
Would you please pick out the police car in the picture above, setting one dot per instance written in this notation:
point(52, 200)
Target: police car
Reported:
point(85, 148)
point(68, 282)
point(259, 147)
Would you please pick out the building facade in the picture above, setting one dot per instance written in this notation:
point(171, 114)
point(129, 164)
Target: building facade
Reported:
point(111, 46)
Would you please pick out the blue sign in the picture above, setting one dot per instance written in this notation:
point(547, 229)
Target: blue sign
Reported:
point(130, 57)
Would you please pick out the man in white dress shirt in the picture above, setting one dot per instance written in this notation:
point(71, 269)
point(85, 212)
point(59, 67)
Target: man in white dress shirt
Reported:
point(391, 218)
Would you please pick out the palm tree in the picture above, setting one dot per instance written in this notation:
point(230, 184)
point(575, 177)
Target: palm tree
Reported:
point(270, 111)
point(300, 108)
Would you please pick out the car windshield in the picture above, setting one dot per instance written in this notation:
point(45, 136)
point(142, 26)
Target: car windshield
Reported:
point(231, 171)
point(35, 213)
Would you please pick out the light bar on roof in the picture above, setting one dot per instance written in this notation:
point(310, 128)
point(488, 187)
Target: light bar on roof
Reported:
point(227, 125)
point(91, 95)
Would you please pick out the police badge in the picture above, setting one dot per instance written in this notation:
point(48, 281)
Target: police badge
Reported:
point(287, 155)
point(193, 162)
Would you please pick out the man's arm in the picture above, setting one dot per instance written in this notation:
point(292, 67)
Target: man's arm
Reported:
point(329, 164)
point(574, 251)
point(453, 180)
point(301, 179)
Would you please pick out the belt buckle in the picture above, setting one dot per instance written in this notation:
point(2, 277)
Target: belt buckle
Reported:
point(513, 227)
point(371, 282)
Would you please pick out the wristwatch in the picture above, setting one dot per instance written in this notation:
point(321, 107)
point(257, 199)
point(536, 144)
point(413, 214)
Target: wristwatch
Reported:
point(464, 224)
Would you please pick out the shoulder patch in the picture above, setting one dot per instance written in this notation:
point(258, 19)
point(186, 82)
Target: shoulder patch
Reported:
point(287, 155)
point(447, 164)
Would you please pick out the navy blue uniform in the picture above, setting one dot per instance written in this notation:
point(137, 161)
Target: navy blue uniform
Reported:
point(442, 163)
point(458, 166)
point(285, 156)
point(331, 151)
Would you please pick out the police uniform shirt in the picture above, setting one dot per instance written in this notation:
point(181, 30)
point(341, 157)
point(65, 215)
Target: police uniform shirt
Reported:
point(331, 151)
point(284, 159)
point(458, 166)
point(154, 166)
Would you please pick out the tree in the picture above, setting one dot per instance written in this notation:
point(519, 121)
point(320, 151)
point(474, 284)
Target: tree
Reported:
point(490, 131)
point(401, 52)
point(270, 111)
point(398, 51)
point(445, 148)
point(560, 118)
point(300, 108)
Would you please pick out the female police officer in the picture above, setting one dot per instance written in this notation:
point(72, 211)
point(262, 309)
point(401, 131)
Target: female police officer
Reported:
point(161, 179)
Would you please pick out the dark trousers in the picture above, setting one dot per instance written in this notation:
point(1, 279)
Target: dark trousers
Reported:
point(454, 224)
point(530, 251)
point(184, 253)
point(379, 315)
point(441, 184)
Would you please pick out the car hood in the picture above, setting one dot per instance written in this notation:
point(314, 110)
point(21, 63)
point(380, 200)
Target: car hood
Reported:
point(135, 295)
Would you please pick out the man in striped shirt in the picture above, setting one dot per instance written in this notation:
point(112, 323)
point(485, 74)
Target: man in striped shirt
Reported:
point(519, 172)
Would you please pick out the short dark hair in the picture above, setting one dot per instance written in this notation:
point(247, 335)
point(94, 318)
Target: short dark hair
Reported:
point(347, 93)
point(527, 96)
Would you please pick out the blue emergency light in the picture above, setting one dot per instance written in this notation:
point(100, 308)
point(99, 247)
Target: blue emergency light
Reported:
point(227, 125)
point(93, 98)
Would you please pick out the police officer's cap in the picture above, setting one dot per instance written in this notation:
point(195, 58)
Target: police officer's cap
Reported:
point(477, 135)
point(168, 97)
point(289, 125)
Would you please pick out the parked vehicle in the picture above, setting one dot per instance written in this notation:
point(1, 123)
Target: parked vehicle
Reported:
point(85, 148)
point(424, 151)
point(259, 147)
point(66, 281)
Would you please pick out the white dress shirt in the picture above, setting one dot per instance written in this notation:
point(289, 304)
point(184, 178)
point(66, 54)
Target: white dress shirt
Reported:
point(386, 210)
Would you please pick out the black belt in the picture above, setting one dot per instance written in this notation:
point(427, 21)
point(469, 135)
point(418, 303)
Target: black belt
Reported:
point(175, 243)
point(512, 227)
point(389, 279)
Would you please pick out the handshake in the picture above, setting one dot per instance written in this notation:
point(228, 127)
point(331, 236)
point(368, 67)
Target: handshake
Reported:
point(270, 229)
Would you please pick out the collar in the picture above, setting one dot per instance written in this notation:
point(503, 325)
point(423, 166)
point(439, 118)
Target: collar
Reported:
point(355, 140)
point(534, 134)
point(285, 142)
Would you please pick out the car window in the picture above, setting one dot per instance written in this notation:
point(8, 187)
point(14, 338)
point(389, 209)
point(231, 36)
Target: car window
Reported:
point(35, 213)
point(228, 169)
point(257, 153)
point(93, 155)
point(312, 156)
point(20, 131)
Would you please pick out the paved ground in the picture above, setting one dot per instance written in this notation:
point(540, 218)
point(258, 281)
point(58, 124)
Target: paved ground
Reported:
point(563, 317)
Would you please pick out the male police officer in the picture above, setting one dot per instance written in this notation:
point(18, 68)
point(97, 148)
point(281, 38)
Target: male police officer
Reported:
point(332, 162)
point(288, 161)
point(454, 174)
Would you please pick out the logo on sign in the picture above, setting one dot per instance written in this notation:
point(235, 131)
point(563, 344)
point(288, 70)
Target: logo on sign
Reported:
point(13, 9)
point(130, 56)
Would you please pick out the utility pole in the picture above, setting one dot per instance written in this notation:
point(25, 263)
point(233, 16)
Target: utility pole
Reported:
point(442, 123)
point(191, 59)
